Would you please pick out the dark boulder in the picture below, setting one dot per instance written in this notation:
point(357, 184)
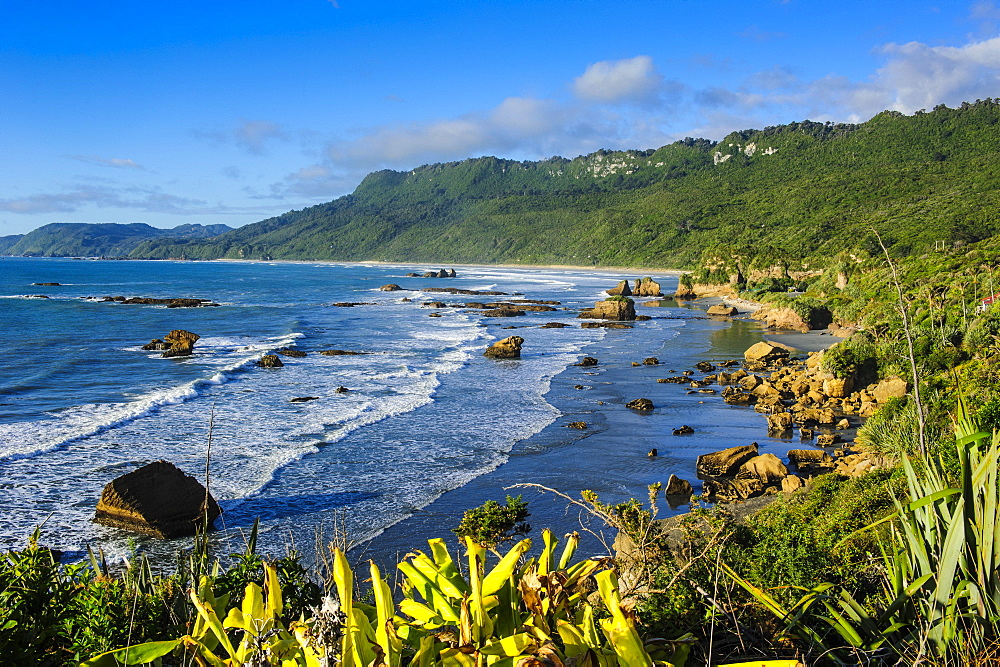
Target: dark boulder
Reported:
point(641, 404)
point(270, 361)
point(158, 499)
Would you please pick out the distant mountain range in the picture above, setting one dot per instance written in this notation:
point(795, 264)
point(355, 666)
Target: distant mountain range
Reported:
point(71, 239)
point(799, 193)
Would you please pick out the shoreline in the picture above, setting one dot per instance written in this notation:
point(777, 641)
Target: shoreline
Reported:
point(611, 452)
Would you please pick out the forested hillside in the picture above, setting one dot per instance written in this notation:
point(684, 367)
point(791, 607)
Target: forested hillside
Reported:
point(65, 239)
point(803, 191)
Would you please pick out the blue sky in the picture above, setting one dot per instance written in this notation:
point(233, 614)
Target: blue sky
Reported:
point(226, 112)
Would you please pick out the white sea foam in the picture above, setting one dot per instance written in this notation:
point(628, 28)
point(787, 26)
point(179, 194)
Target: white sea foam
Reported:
point(58, 429)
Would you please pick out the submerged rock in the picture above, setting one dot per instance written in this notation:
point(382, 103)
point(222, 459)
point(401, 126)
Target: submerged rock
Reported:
point(158, 499)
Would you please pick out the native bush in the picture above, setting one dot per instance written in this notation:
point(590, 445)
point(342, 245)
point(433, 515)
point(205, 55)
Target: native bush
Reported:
point(807, 538)
point(491, 523)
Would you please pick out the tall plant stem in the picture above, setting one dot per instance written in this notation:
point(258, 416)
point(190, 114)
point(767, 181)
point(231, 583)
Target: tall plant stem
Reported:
point(909, 345)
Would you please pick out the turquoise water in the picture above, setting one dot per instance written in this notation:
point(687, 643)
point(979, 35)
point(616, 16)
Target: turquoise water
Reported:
point(81, 403)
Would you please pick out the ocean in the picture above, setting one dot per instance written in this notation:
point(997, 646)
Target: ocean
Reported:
point(427, 428)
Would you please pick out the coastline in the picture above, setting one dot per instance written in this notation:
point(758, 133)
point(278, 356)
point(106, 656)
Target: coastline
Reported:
point(611, 452)
point(373, 262)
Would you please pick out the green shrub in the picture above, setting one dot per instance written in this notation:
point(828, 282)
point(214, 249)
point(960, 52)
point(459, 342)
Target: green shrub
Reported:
point(492, 523)
point(796, 541)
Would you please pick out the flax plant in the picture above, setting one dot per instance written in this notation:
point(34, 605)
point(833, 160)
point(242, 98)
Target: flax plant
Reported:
point(941, 599)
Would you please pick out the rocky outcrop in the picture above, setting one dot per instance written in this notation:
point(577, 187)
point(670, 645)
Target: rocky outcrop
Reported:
point(508, 348)
point(270, 361)
point(786, 318)
point(621, 289)
point(577, 425)
point(158, 499)
point(290, 352)
point(646, 287)
point(391, 287)
point(641, 404)
point(181, 343)
point(588, 361)
point(677, 487)
point(339, 353)
point(725, 462)
point(615, 309)
point(720, 309)
point(763, 353)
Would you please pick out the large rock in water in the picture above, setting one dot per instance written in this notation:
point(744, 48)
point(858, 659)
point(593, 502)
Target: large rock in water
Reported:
point(615, 309)
point(508, 348)
point(621, 289)
point(158, 499)
point(181, 343)
point(647, 287)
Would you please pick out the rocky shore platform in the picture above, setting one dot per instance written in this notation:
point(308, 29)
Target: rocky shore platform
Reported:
point(600, 444)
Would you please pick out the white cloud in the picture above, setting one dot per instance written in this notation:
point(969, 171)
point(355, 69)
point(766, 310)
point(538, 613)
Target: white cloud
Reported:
point(148, 200)
point(631, 80)
point(118, 163)
point(919, 76)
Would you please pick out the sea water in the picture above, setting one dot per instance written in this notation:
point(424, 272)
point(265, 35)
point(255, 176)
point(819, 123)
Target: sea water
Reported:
point(425, 413)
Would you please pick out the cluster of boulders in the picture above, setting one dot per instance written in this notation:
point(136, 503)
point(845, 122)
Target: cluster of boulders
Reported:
point(803, 388)
point(643, 287)
point(792, 394)
point(440, 273)
point(177, 343)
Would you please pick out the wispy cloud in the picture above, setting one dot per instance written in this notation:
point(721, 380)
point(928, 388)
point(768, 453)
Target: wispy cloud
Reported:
point(118, 163)
point(755, 34)
point(147, 200)
point(253, 136)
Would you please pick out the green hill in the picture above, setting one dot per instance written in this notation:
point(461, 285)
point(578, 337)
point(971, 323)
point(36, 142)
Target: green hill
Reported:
point(65, 239)
point(803, 191)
